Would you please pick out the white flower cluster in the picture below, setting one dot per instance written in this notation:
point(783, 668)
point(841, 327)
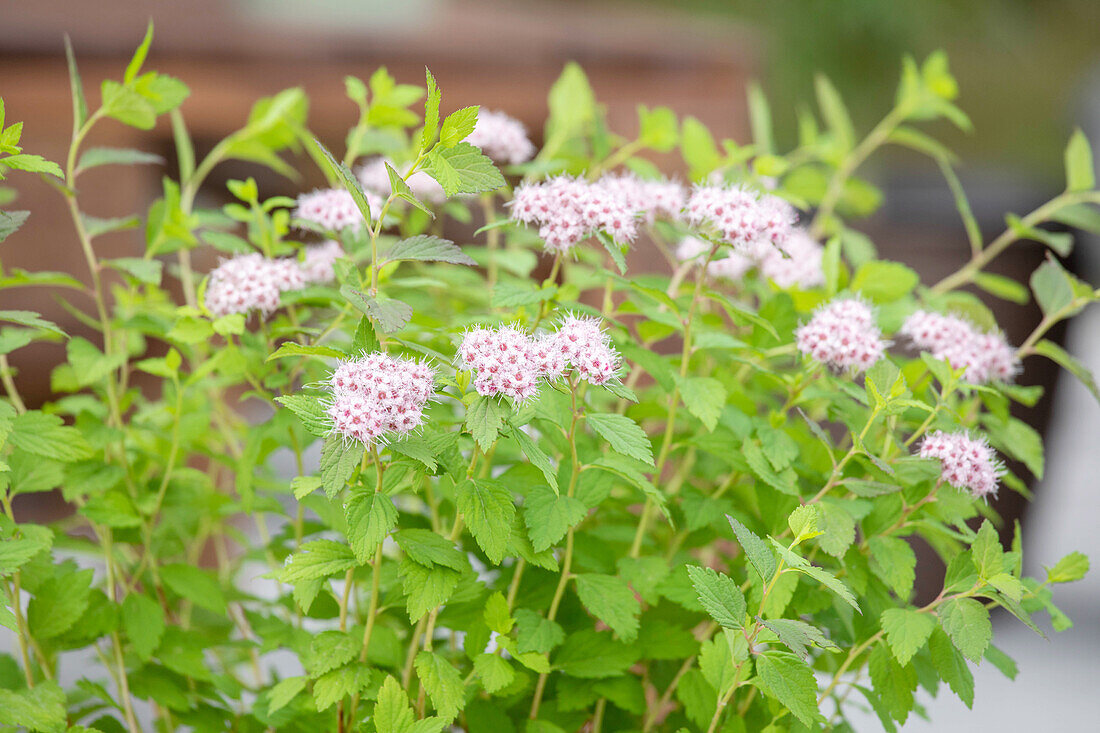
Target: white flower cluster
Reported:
point(842, 335)
point(253, 282)
point(740, 217)
point(987, 357)
point(510, 362)
point(502, 137)
point(568, 210)
point(377, 395)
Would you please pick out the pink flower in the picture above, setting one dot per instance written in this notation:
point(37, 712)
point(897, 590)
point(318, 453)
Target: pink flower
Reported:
point(986, 357)
point(505, 362)
point(377, 395)
point(740, 217)
point(650, 199)
point(842, 335)
point(795, 263)
point(585, 347)
point(502, 137)
point(250, 282)
point(376, 180)
point(568, 210)
point(966, 463)
point(317, 263)
point(334, 209)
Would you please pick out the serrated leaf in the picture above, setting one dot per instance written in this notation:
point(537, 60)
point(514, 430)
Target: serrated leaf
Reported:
point(610, 600)
point(798, 635)
point(486, 505)
point(966, 621)
point(93, 157)
point(338, 684)
point(786, 678)
point(59, 603)
point(719, 596)
point(458, 126)
point(338, 461)
point(1079, 163)
point(537, 457)
point(194, 584)
point(146, 271)
point(827, 579)
point(495, 673)
point(536, 634)
point(143, 622)
point(47, 436)
point(894, 561)
point(906, 631)
point(895, 683)
point(590, 654)
point(442, 682)
point(426, 587)
point(756, 549)
point(549, 516)
point(338, 172)
point(39, 708)
point(10, 221)
point(427, 248)
point(1057, 354)
point(484, 419)
point(310, 411)
point(284, 692)
point(704, 398)
point(370, 517)
point(463, 169)
point(951, 666)
point(315, 560)
point(428, 548)
point(293, 348)
point(623, 435)
point(1070, 568)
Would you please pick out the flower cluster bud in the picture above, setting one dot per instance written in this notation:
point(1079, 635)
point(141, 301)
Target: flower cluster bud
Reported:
point(842, 335)
point(379, 395)
point(966, 463)
point(502, 137)
point(986, 357)
point(334, 209)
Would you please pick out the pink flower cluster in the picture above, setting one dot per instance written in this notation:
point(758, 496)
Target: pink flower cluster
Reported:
point(568, 210)
point(317, 262)
point(651, 199)
point(334, 209)
point(379, 394)
point(795, 263)
point(966, 463)
point(502, 137)
point(740, 217)
point(842, 335)
point(512, 363)
point(376, 180)
point(987, 357)
point(251, 282)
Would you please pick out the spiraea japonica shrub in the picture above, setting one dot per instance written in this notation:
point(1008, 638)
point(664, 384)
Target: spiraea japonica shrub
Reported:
point(385, 482)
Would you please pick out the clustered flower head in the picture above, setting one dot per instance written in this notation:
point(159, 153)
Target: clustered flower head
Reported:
point(334, 209)
point(568, 210)
point(795, 263)
point(317, 262)
point(512, 363)
point(502, 137)
point(250, 282)
point(966, 463)
point(649, 198)
point(376, 180)
point(987, 357)
point(378, 395)
point(742, 219)
point(842, 335)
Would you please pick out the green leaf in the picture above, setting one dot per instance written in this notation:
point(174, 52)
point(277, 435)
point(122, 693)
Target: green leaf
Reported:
point(798, 635)
point(370, 517)
point(803, 522)
point(442, 682)
point(497, 616)
point(143, 622)
point(10, 221)
point(143, 270)
point(484, 419)
point(610, 599)
point(951, 666)
point(698, 148)
point(317, 559)
point(835, 113)
point(1060, 356)
point(31, 320)
point(1002, 662)
point(195, 585)
point(495, 673)
point(293, 348)
point(32, 164)
point(337, 463)
point(895, 683)
point(838, 528)
point(463, 169)
point(89, 363)
point(336, 685)
point(549, 516)
point(591, 654)
point(822, 576)
point(339, 172)
point(138, 58)
point(756, 549)
point(39, 708)
point(391, 315)
point(457, 127)
point(124, 104)
point(427, 248)
point(966, 621)
point(1073, 566)
point(1054, 291)
point(884, 282)
point(76, 88)
point(431, 113)
point(786, 678)
point(486, 505)
point(719, 596)
point(986, 551)
point(657, 128)
point(402, 191)
point(59, 603)
point(284, 692)
point(93, 157)
point(536, 634)
point(426, 587)
point(1002, 287)
point(330, 650)
point(894, 561)
point(428, 548)
point(623, 434)
point(704, 398)
point(47, 436)
point(1079, 171)
point(537, 457)
point(906, 631)
point(310, 411)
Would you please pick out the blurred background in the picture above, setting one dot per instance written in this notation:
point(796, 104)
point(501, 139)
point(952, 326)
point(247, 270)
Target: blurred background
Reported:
point(1028, 70)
